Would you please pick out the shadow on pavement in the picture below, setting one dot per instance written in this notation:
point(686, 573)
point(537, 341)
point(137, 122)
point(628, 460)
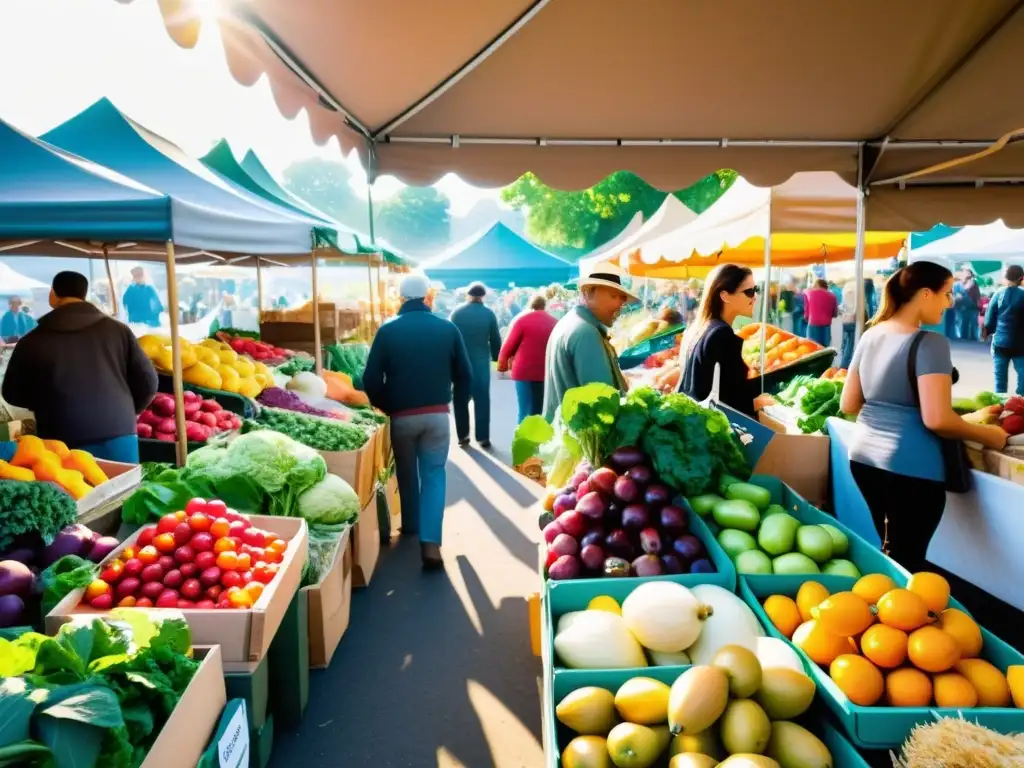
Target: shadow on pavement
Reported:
point(505, 477)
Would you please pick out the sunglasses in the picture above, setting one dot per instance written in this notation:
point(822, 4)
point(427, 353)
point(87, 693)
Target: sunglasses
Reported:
point(751, 292)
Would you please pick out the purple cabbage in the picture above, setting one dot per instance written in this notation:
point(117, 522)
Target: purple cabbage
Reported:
point(275, 397)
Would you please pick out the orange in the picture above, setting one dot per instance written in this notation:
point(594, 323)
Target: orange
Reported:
point(932, 650)
point(244, 562)
point(989, 683)
point(784, 614)
point(885, 647)
point(858, 678)
point(821, 645)
point(954, 690)
point(844, 613)
point(255, 589)
point(810, 594)
point(1015, 678)
point(240, 598)
point(873, 586)
point(902, 609)
point(964, 629)
point(908, 687)
point(931, 588)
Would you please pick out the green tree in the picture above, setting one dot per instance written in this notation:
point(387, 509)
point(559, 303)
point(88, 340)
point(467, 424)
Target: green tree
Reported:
point(583, 220)
point(326, 184)
point(415, 219)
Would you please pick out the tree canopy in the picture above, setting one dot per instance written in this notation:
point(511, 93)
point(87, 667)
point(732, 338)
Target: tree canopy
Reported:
point(415, 219)
point(326, 184)
point(588, 218)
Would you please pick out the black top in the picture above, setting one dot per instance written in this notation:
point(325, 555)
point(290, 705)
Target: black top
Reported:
point(83, 374)
point(719, 345)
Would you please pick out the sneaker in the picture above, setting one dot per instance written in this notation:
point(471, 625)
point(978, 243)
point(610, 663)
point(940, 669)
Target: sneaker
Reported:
point(485, 444)
point(430, 554)
point(463, 442)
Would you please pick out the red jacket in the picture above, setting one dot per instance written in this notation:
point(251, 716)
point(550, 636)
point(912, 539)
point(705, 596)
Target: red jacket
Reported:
point(526, 345)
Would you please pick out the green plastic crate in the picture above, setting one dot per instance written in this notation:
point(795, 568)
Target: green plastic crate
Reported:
point(725, 575)
point(565, 682)
point(867, 557)
point(881, 727)
point(288, 659)
point(659, 342)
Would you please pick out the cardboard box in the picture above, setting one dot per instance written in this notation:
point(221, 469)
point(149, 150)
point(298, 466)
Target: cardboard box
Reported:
point(365, 544)
point(122, 482)
point(243, 635)
point(394, 505)
point(12, 430)
point(357, 468)
point(799, 460)
point(330, 605)
point(188, 730)
point(1004, 465)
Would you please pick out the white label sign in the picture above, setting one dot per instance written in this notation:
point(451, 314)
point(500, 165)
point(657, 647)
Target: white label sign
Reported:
point(233, 747)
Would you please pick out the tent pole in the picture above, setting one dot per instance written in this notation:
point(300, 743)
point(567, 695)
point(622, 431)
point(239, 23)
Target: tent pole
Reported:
point(858, 269)
point(259, 292)
point(110, 282)
point(369, 285)
point(765, 292)
point(318, 353)
point(179, 389)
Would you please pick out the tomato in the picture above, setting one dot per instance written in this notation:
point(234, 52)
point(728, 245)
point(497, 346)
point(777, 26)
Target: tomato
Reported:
point(181, 515)
point(195, 506)
point(167, 523)
point(220, 528)
point(206, 604)
point(184, 554)
point(153, 572)
point(205, 559)
point(146, 535)
point(96, 588)
point(199, 522)
point(192, 589)
point(272, 556)
point(152, 590)
point(143, 602)
point(202, 542)
point(167, 599)
point(254, 537)
point(231, 579)
point(258, 554)
point(173, 579)
point(112, 572)
point(237, 528)
point(214, 592)
point(182, 534)
point(244, 562)
point(223, 545)
point(102, 602)
point(210, 576)
point(164, 542)
point(277, 543)
point(185, 604)
point(128, 586)
point(188, 570)
point(216, 508)
point(227, 560)
point(255, 589)
point(167, 562)
point(264, 572)
point(239, 598)
point(126, 602)
point(126, 554)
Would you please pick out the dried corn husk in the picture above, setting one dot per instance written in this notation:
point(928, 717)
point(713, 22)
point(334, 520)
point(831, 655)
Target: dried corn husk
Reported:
point(959, 743)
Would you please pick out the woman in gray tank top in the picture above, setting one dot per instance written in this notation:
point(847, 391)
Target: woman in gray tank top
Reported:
point(896, 454)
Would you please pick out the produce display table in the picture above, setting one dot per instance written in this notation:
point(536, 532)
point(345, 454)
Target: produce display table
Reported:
point(981, 534)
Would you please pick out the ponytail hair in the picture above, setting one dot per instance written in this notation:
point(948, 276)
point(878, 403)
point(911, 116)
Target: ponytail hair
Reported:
point(905, 283)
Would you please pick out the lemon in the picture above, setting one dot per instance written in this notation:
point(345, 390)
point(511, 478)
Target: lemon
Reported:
point(643, 700)
point(605, 603)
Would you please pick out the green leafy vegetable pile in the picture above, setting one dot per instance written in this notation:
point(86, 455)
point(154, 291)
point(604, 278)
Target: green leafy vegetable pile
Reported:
point(349, 359)
point(816, 399)
point(295, 365)
point(262, 472)
point(690, 447)
point(321, 434)
point(69, 573)
point(33, 508)
point(96, 694)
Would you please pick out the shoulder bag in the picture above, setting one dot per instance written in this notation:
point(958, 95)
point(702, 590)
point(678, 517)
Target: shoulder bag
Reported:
point(954, 453)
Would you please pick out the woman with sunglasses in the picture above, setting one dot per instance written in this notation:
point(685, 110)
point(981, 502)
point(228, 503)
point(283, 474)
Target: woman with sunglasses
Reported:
point(904, 410)
point(710, 341)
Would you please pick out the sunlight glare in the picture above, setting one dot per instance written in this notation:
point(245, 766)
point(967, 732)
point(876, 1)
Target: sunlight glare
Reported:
point(512, 743)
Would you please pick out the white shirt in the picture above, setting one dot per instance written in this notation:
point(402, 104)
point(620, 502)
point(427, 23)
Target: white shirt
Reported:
point(849, 302)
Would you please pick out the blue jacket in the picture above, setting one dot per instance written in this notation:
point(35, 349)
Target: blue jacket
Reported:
point(1005, 320)
point(142, 304)
point(479, 328)
point(414, 361)
point(15, 325)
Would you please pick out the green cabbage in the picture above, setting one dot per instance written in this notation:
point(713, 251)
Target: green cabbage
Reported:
point(330, 502)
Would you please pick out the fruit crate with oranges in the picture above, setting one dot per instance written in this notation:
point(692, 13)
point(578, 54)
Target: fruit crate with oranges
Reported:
point(890, 653)
point(231, 575)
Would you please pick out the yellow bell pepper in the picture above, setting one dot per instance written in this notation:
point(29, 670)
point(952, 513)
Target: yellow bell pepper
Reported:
point(83, 462)
point(57, 447)
point(11, 472)
point(49, 468)
point(30, 449)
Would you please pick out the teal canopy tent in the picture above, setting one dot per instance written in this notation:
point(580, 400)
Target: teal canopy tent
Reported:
point(498, 257)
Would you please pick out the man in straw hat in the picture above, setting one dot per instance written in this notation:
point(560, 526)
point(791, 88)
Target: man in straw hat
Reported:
point(415, 361)
point(579, 351)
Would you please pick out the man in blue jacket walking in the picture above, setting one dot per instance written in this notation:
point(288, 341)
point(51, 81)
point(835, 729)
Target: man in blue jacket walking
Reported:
point(1004, 321)
point(141, 301)
point(479, 328)
point(415, 360)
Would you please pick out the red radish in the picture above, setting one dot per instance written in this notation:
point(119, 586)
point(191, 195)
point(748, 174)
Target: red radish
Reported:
point(574, 524)
point(191, 589)
point(206, 604)
point(553, 530)
point(210, 406)
point(173, 579)
point(184, 554)
point(210, 576)
point(144, 430)
point(191, 409)
point(189, 396)
point(152, 573)
point(207, 419)
point(166, 425)
point(133, 566)
point(152, 590)
point(150, 418)
point(202, 542)
point(167, 437)
point(145, 537)
point(204, 560)
point(143, 602)
point(167, 562)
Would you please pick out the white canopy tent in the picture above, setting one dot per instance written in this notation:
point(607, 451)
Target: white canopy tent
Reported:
point(670, 216)
point(14, 283)
point(608, 253)
point(994, 241)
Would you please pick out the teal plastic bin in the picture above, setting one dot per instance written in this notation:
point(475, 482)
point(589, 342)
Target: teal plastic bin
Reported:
point(881, 727)
point(659, 342)
point(725, 575)
point(844, 755)
point(867, 557)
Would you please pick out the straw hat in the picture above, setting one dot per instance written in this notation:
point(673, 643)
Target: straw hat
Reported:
point(608, 276)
